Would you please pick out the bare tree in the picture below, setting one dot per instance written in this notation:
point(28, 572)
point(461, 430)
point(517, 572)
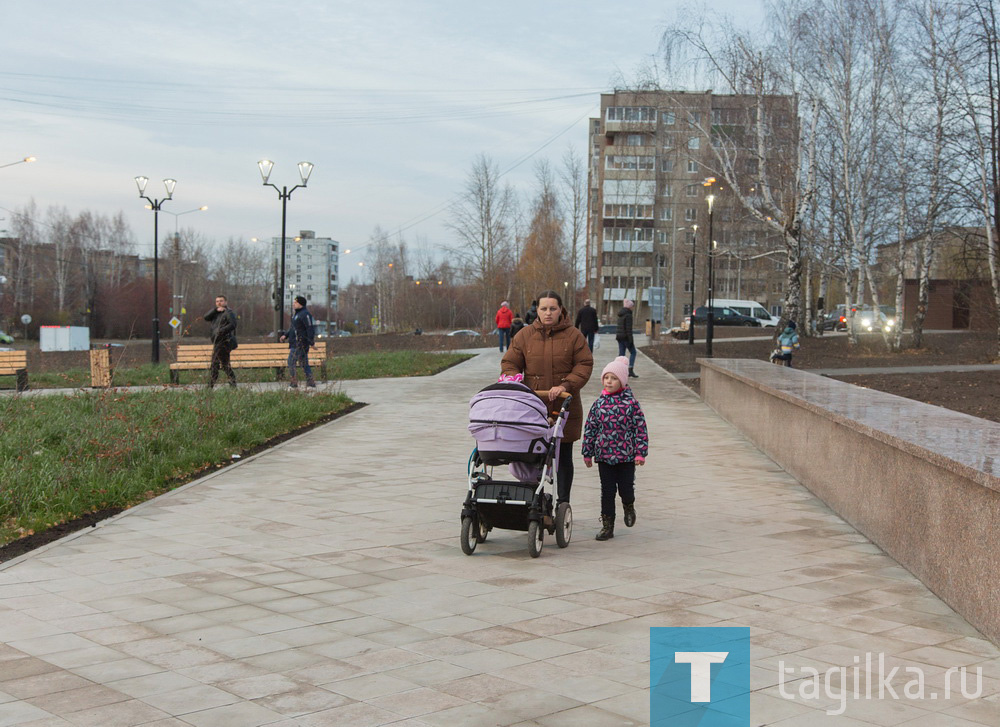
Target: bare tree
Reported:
point(573, 178)
point(482, 218)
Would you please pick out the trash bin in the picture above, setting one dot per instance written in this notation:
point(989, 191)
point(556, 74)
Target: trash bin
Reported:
point(652, 329)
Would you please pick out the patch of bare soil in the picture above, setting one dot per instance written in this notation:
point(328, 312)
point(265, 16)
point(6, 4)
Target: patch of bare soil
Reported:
point(835, 352)
point(976, 393)
point(972, 392)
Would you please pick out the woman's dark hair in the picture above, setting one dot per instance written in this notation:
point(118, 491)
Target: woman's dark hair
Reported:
point(551, 294)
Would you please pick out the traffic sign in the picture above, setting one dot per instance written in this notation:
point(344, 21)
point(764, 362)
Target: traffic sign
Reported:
point(175, 321)
point(25, 319)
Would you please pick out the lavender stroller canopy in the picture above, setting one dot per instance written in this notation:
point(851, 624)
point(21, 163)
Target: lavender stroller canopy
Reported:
point(510, 424)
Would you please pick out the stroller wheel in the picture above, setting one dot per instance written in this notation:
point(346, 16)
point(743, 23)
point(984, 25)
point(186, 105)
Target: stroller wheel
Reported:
point(564, 524)
point(535, 534)
point(484, 531)
point(469, 536)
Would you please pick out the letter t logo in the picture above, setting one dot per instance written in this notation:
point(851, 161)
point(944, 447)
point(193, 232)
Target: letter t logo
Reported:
point(701, 671)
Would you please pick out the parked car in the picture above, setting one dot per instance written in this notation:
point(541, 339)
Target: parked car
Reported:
point(6, 338)
point(869, 319)
point(722, 317)
point(750, 308)
point(465, 332)
point(835, 320)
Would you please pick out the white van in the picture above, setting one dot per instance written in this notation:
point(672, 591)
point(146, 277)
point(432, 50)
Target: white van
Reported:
point(748, 308)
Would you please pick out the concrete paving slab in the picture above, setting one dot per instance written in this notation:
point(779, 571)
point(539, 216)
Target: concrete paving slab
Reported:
point(322, 583)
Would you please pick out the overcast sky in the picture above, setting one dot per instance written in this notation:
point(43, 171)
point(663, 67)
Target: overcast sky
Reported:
point(390, 99)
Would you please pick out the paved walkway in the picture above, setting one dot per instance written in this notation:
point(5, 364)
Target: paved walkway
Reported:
point(322, 583)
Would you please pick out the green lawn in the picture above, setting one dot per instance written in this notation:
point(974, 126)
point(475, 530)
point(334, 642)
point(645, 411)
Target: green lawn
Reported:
point(371, 365)
point(65, 456)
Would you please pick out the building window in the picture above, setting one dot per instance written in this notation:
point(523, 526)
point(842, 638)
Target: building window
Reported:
point(641, 163)
point(628, 211)
point(694, 118)
point(666, 190)
point(666, 214)
point(628, 234)
point(692, 166)
point(690, 261)
point(687, 289)
point(635, 140)
point(691, 190)
point(644, 114)
point(668, 118)
point(667, 165)
point(690, 214)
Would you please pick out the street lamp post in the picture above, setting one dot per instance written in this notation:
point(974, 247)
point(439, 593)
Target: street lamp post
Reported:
point(284, 194)
point(694, 266)
point(673, 251)
point(709, 329)
point(154, 204)
point(26, 160)
point(175, 298)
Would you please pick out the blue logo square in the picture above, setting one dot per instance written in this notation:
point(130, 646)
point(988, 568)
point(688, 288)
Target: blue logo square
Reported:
point(699, 677)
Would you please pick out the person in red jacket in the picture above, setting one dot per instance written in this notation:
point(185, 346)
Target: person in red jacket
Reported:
point(505, 317)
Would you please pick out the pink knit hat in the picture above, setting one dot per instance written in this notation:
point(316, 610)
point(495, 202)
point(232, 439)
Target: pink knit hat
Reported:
point(618, 367)
point(628, 303)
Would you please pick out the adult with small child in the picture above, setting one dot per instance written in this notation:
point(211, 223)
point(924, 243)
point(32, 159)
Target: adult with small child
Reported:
point(554, 357)
point(615, 436)
point(788, 343)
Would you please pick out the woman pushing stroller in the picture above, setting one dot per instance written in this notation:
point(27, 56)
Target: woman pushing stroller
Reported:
point(553, 356)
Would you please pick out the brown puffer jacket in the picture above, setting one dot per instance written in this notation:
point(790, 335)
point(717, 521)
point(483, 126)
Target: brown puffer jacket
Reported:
point(555, 357)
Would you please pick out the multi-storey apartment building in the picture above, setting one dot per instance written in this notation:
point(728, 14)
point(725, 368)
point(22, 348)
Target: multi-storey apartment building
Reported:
point(311, 269)
point(648, 220)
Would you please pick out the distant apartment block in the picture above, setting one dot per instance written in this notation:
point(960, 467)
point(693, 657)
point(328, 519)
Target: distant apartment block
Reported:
point(650, 152)
point(311, 268)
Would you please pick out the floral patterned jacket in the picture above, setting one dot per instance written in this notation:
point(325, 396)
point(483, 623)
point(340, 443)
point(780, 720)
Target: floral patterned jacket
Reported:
point(615, 431)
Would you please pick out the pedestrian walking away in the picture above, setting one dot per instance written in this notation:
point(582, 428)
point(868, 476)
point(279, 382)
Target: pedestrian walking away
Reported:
point(516, 325)
point(615, 436)
point(504, 319)
point(553, 356)
point(624, 336)
point(586, 321)
point(301, 336)
point(532, 315)
point(223, 337)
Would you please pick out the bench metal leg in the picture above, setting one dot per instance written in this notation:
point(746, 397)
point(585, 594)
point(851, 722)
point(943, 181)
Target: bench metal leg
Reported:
point(22, 379)
point(175, 376)
point(279, 373)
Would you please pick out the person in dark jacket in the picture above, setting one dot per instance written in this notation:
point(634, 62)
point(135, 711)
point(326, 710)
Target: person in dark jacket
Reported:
point(586, 321)
point(532, 315)
point(223, 337)
point(553, 356)
point(624, 336)
point(301, 336)
point(516, 325)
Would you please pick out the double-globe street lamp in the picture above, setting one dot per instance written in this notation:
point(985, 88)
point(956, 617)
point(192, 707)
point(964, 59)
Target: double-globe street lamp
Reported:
point(154, 204)
point(710, 324)
point(284, 194)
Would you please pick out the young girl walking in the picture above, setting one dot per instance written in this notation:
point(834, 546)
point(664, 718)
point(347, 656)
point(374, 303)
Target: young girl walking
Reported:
point(615, 436)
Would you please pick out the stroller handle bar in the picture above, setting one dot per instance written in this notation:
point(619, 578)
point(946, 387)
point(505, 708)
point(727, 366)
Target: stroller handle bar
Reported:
point(566, 398)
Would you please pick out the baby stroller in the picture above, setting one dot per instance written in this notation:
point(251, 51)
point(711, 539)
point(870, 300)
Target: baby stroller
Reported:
point(513, 426)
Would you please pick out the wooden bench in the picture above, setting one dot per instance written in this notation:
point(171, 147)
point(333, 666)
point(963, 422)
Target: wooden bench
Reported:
point(15, 363)
point(246, 356)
